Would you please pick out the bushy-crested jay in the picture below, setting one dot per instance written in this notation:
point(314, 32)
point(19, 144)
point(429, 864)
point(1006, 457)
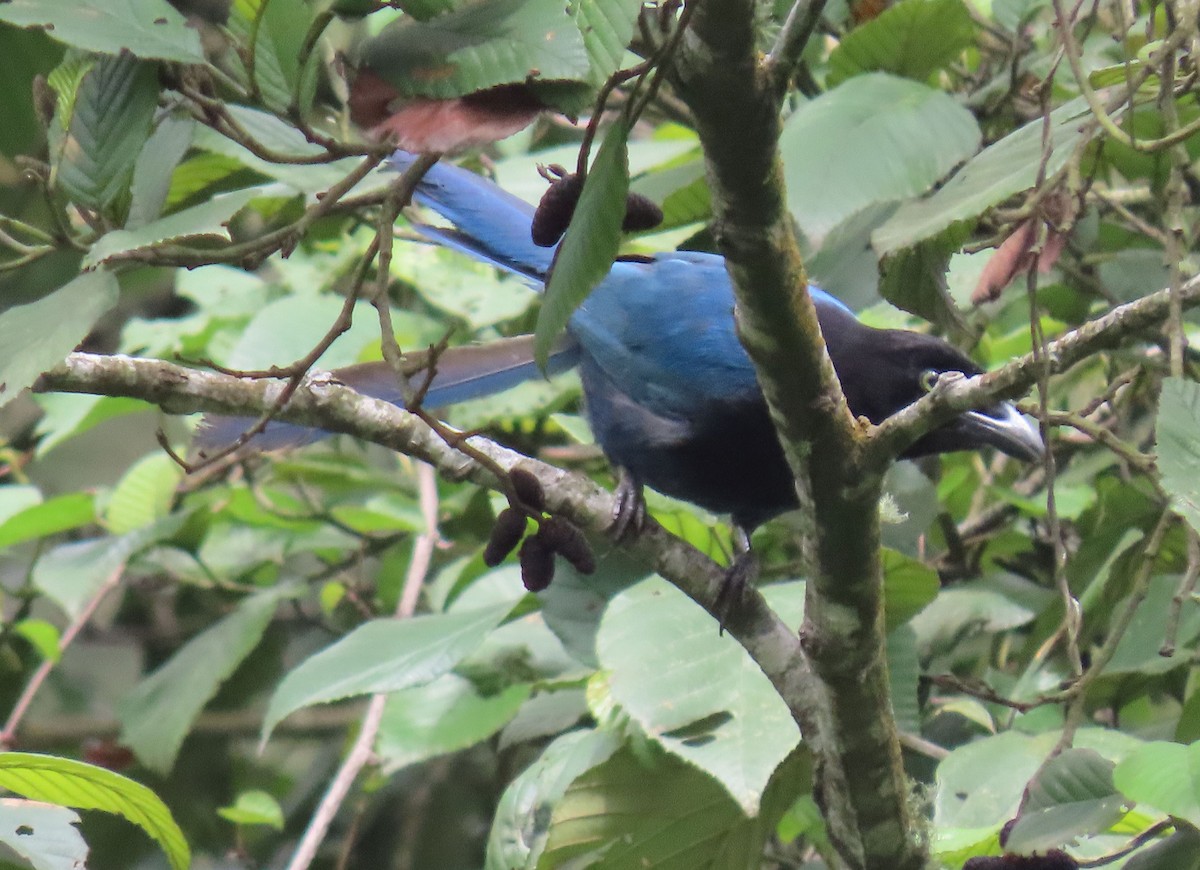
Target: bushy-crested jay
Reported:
point(671, 395)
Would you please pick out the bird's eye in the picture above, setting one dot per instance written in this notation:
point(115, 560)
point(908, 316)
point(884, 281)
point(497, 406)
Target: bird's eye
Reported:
point(929, 379)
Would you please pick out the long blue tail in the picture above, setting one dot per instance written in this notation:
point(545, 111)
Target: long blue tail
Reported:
point(490, 224)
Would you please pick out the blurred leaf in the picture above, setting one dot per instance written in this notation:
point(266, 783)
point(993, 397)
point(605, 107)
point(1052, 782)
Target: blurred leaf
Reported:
point(204, 222)
point(98, 132)
point(607, 26)
point(27, 53)
point(1072, 796)
point(65, 415)
point(143, 495)
point(990, 177)
point(86, 787)
point(72, 573)
point(1138, 649)
point(384, 655)
point(155, 167)
point(42, 636)
point(145, 28)
point(873, 139)
point(42, 834)
point(59, 514)
point(704, 700)
point(904, 674)
point(1180, 851)
point(980, 784)
point(586, 253)
point(254, 808)
point(913, 38)
point(478, 46)
point(634, 811)
point(273, 32)
point(444, 716)
point(908, 586)
point(38, 336)
point(1179, 447)
point(521, 824)
point(1165, 776)
point(156, 715)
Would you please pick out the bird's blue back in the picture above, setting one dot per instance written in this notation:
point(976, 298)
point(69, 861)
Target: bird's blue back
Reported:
point(660, 328)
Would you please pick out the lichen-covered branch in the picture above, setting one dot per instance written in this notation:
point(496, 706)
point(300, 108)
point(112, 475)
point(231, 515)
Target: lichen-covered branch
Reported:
point(735, 98)
point(323, 403)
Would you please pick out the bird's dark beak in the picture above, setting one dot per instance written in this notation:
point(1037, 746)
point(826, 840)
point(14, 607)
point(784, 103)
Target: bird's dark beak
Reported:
point(1004, 427)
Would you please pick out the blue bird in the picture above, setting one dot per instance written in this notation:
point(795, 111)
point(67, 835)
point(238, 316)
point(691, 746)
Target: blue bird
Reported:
point(672, 397)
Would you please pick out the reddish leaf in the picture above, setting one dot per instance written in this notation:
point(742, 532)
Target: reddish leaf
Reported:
point(1014, 257)
point(427, 125)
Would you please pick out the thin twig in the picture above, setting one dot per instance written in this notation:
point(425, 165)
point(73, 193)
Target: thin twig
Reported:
point(8, 734)
point(363, 751)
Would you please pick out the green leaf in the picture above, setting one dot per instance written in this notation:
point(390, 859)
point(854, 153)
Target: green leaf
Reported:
point(207, 221)
point(144, 494)
point(42, 636)
point(591, 243)
point(1072, 796)
point(156, 715)
point(15, 499)
point(274, 31)
point(1165, 776)
point(996, 173)
point(1178, 446)
point(521, 824)
point(1180, 851)
point(155, 168)
point(873, 139)
point(145, 28)
point(705, 699)
point(908, 586)
point(65, 415)
point(385, 655)
point(913, 38)
point(38, 336)
point(59, 514)
point(1138, 650)
point(478, 46)
point(71, 574)
point(607, 26)
point(634, 811)
point(254, 808)
point(26, 53)
point(98, 134)
point(444, 716)
point(86, 787)
point(904, 675)
point(980, 784)
point(42, 834)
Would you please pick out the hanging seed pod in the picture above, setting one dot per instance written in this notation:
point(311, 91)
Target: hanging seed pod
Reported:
point(537, 564)
point(563, 537)
point(528, 488)
point(555, 208)
point(641, 213)
point(506, 534)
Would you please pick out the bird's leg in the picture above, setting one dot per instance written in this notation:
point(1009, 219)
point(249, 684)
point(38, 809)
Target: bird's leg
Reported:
point(742, 572)
point(629, 510)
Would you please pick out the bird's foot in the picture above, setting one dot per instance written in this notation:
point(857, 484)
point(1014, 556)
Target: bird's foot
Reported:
point(742, 572)
point(629, 509)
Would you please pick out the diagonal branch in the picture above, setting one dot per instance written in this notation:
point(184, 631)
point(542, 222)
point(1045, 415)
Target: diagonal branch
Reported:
point(951, 398)
point(320, 403)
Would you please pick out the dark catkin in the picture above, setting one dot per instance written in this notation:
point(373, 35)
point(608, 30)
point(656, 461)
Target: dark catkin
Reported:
point(506, 534)
point(554, 210)
point(641, 213)
point(1054, 859)
point(537, 564)
point(528, 489)
point(563, 537)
